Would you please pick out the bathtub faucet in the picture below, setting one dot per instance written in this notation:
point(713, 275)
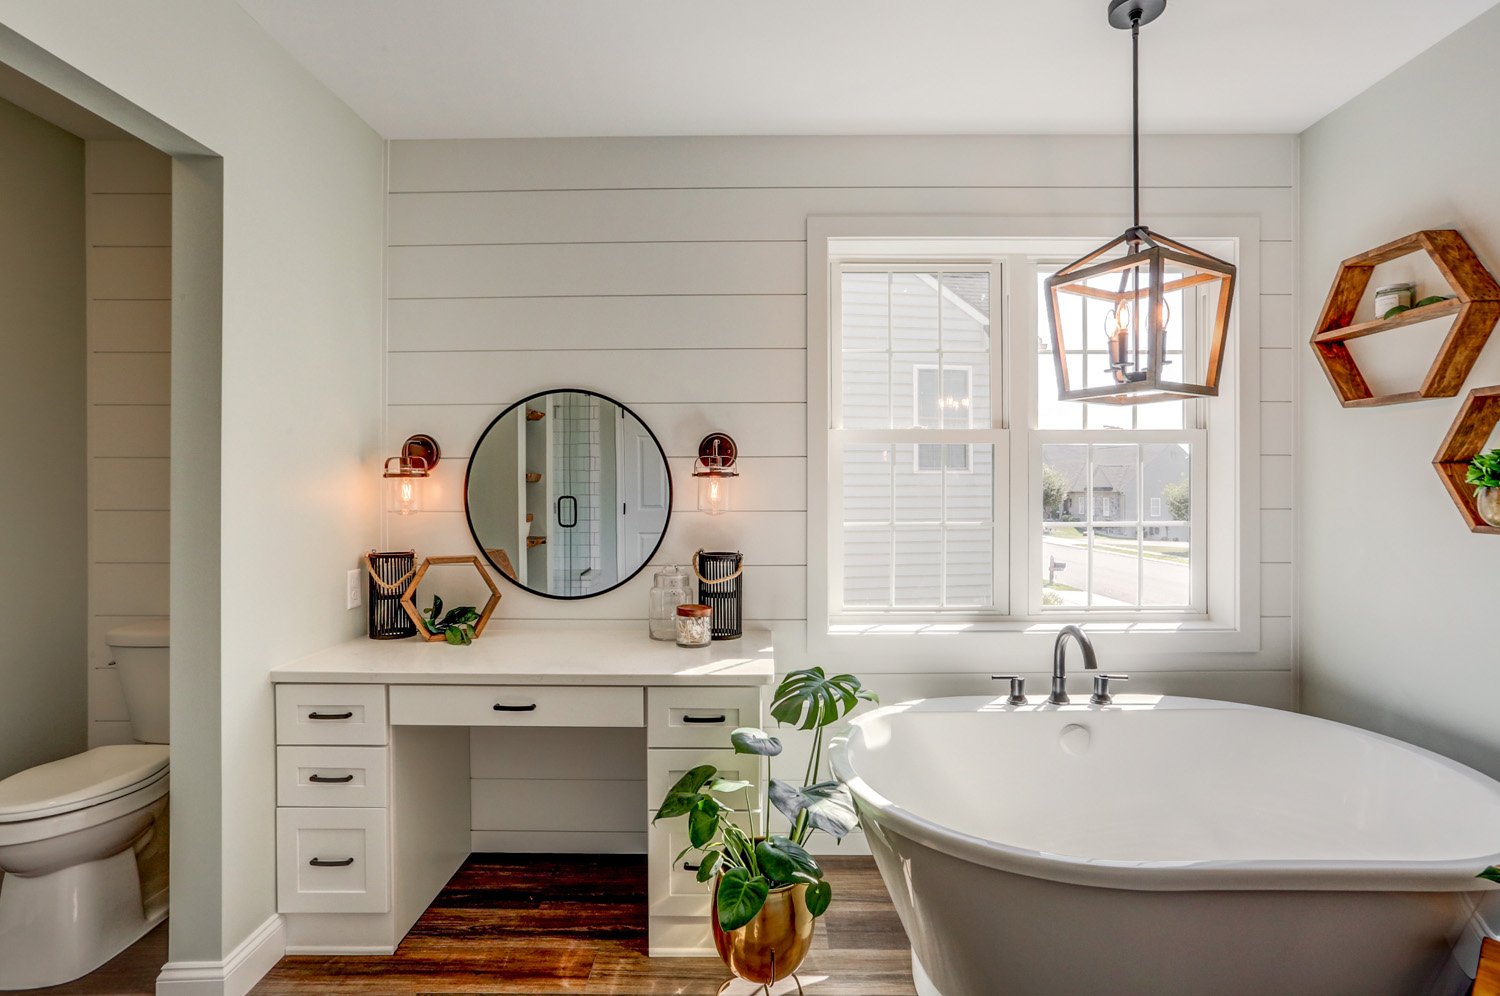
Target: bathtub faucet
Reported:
point(1059, 694)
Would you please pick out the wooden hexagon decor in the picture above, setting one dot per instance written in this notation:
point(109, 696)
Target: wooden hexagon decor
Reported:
point(1467, 437)
point(1476, 308)
point(408, 600)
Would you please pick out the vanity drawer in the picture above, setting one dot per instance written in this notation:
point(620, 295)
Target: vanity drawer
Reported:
point(352, 777)
point(332, 861)
point(664, 767)
point(330, 714)
point(516, 705)
point(673, 886)
point(699, 717)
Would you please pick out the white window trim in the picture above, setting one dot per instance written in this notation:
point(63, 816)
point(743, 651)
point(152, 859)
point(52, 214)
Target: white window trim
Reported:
point(1231, 468)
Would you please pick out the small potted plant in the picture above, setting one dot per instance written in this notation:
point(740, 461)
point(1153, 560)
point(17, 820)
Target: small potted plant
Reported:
point(768, 890)
point(456, 627)
point(1484, 474)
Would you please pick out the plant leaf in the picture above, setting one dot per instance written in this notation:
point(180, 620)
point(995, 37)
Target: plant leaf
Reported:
point(809, 699)
point(726, 785)
point(1491, 874)
point(749, 740)
point(708, 866)
point(693, 780)
point(437, 608)
point(740, 898)
point(819, 895)
point(830, 808)
point(453, 636)
point(703, 821)
point(781, 860)
point(787, 798)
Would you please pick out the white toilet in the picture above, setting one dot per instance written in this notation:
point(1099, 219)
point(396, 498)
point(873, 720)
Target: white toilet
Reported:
point(83, 840)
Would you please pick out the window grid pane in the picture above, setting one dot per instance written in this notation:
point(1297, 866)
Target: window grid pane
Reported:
point(1099, 552)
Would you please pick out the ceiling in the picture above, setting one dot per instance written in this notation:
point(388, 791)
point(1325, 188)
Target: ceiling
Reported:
point(501, 68)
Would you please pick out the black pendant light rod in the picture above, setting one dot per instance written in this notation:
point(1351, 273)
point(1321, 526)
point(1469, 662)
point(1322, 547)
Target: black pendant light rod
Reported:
point(1135, 109)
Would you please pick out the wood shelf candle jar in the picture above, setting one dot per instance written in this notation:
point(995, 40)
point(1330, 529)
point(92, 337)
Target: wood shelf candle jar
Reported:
point(1476, 308)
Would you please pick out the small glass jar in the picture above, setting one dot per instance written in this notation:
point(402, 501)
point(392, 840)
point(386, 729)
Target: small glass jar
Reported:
point(670, 587)
point(695, 625)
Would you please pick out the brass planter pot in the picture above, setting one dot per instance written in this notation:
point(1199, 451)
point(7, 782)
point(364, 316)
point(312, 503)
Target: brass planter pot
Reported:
point(769, 948)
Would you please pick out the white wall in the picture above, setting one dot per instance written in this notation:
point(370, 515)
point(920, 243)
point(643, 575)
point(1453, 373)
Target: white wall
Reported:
point(670, 274)
point(1397, 597)
point(44, 588)
point(294, 456)
point(129, 234)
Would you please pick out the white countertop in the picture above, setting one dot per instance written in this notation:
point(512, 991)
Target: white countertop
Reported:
point(551, 652)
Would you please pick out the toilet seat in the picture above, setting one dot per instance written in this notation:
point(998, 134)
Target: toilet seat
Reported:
point(81, 781)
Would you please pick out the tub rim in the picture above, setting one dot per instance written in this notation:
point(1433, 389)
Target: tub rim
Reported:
point(1450, 875)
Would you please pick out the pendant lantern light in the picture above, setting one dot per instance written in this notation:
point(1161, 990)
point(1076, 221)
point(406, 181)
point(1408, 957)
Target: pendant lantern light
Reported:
point(1126, 283)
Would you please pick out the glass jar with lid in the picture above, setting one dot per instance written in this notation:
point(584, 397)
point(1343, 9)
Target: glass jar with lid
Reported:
point(670, 587)
point(694, 625)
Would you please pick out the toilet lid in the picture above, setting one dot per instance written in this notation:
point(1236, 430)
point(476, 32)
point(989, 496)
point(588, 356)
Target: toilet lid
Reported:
point(82, 780)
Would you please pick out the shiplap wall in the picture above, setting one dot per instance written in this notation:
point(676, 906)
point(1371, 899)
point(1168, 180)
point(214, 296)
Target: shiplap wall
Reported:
point(128, 228)
point(671, 274)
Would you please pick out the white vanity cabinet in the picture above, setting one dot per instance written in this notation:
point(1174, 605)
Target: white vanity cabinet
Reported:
point(373, 762)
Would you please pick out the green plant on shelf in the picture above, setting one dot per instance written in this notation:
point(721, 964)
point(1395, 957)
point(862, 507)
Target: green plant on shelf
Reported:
point(457, 626)
point(1484, 470)
point(1490, 874)
point(751, 860)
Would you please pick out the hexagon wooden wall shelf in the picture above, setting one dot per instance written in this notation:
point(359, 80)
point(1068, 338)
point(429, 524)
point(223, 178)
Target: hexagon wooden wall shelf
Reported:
point(1476, 307)
point(1470, 432)
point(408, 600)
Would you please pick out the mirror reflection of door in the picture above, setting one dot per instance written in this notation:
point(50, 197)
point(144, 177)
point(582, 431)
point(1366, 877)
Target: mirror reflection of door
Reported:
point(568, 494)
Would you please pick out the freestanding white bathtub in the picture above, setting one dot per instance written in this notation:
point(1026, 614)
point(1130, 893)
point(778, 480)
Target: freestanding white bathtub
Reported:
point(1166, 846)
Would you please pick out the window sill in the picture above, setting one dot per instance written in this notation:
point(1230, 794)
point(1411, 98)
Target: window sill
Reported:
point(919, 645)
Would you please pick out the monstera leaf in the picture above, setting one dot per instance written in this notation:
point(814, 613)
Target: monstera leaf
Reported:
point(819, 895)
point(682, 797)
point(810, 699)
point(749, 740)
point(829, 805)
point(741, 896)
point(783, 861)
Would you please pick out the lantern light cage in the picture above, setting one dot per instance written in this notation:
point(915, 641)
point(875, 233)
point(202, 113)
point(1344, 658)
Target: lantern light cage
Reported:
point(1134, 274)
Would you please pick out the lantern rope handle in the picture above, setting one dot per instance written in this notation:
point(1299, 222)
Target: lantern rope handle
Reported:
point(703, 580)
point(389, 586)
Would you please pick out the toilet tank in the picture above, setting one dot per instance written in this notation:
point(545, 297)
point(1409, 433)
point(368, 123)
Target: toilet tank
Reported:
point(141, 655)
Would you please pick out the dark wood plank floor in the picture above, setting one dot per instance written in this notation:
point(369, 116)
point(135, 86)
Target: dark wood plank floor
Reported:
point(132, 972)
point(508, 925)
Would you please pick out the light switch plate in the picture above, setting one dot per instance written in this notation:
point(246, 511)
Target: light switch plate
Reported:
point(353, 592)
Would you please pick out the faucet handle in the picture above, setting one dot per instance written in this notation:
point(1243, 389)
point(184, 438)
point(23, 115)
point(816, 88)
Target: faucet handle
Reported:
point(1101, 694)
point(1017, 687)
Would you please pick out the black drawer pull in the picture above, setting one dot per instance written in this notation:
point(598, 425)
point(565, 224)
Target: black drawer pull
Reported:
point(324, 779)
point(704, 719)
point(500, 707)
point(341, 863)
point(330, 715)
point(688, 866)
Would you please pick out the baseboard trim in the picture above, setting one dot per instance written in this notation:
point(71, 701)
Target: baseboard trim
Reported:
point(236, 975)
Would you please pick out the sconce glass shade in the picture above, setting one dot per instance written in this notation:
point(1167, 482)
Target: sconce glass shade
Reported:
point(404, 484)
point(1130, 279)
point(714, 470)
point(713, 492)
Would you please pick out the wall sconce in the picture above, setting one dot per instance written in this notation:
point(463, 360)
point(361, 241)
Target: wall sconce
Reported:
point(714, 469)
point(419, 454)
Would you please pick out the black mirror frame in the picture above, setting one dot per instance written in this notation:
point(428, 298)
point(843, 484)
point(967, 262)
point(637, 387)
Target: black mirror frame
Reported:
point(469, 467)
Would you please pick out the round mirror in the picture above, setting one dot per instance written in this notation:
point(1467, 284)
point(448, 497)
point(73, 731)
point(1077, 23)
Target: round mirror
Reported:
point(568, 494)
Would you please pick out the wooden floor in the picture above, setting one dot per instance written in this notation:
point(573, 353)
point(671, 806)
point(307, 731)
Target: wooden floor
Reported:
point(131, 973)
point(525, 924)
